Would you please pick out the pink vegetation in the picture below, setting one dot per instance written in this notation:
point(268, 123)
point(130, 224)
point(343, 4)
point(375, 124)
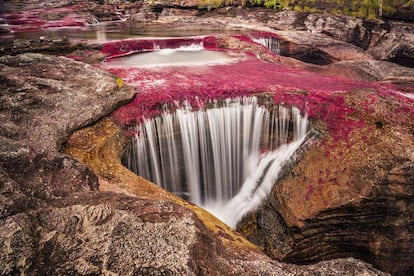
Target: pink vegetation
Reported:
point(321, 97)
point(39, 18)
point(129, 46)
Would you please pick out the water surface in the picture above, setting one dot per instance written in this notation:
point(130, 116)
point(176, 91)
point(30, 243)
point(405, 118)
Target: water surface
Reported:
point(184, 56)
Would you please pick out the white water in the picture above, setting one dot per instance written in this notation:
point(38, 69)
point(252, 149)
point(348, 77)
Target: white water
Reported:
point(408, 95)
point(190, 55)
point(271, 43)
point(225, 158)
point(184, 48)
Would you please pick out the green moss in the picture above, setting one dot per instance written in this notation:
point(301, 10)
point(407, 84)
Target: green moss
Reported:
point(211, 4)
point(362, 8)
point(297, 8)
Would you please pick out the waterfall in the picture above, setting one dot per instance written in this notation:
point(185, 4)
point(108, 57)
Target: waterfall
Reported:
point(183, 48)
point(225, 158)
point(271, 43)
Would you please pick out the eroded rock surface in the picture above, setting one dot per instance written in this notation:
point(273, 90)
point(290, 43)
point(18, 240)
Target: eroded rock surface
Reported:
point(99, 233)
point(348, 196)
point(53, 219)
point(43, 99)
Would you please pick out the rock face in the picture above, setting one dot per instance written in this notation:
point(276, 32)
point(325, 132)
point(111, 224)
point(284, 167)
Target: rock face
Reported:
point(38, 110)
point(53, 219)
point(318, 49)
point(41, 101)
point(98, 233)
point(347, 196)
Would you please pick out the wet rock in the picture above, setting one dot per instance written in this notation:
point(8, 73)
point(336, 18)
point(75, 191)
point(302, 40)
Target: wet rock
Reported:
point(348, 196)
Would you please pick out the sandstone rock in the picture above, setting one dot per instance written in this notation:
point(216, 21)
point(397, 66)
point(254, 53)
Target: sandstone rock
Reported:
point(318, 48)
point(177, 3)
point(347, 197)
point(370, 70)
point(342, 28)
point(56, 45)
point(43, 99)
point(101, 233)
point(391, 41)
point(39, 104)
point(395, 45)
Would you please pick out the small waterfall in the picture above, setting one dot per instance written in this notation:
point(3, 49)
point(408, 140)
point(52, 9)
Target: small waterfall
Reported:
point(408, 95)
point(271, 43)
point(225, 158)
point(195, 46)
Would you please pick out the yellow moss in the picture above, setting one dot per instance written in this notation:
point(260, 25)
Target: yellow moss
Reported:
point(100, 147)
point(119, 82)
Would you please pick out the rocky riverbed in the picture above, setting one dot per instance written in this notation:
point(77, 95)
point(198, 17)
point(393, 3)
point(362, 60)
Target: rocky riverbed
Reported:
point(68, 206)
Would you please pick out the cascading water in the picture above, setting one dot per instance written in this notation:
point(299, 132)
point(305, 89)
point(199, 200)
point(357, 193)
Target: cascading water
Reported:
point(271, 43)
point(225, 158)
point(186, 55)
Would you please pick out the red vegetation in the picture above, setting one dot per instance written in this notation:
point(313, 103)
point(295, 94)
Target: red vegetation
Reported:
point(36, 19)
point(309, 192)
point(263, 35)
point(129, 46)
point(321, 97)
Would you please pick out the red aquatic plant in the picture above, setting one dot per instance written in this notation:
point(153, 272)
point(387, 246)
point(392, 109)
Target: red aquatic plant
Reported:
point(129, 46)
point(321, 97)
point(35, 19)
